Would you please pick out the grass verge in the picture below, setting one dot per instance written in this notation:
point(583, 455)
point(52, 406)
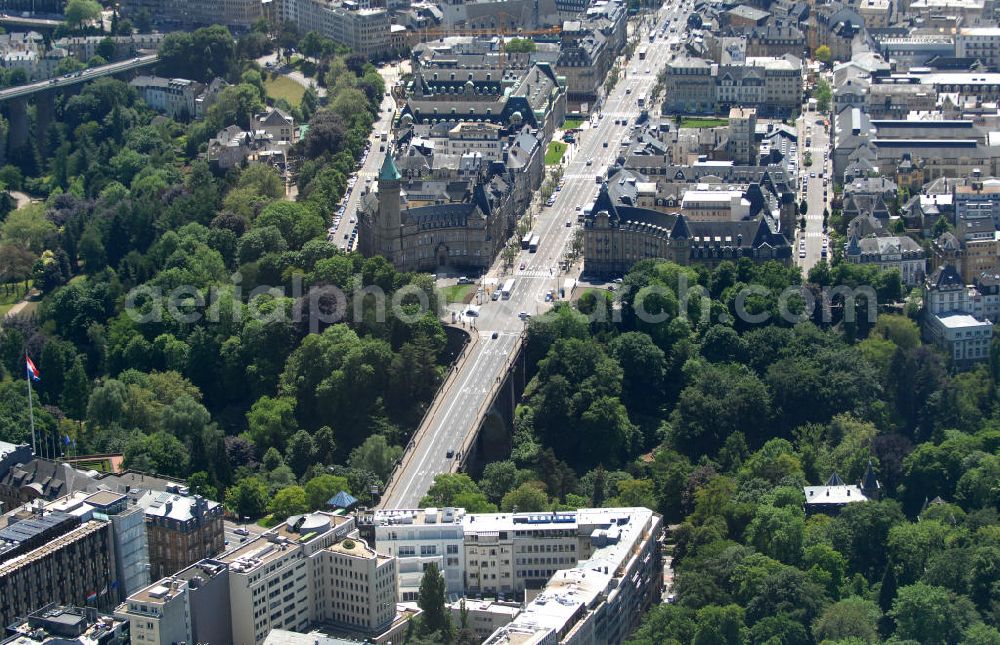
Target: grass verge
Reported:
point(703, 122)
point(555, 153)
point(458, 293)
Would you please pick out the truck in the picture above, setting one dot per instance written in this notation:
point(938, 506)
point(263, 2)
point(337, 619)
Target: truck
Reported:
point(642, 52)
point(384, 135)
point(507, 289)
point(533, 245)
point(526, 241)
point(641, 101)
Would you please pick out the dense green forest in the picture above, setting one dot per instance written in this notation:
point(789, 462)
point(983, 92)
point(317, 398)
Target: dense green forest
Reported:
point(241, 400)
point(719, 425)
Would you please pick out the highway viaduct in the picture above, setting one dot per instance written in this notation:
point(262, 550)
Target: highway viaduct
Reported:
point(44, 94)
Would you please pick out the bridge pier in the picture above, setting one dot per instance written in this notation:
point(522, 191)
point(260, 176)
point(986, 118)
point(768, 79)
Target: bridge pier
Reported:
point(17, 138)
point(45, 107)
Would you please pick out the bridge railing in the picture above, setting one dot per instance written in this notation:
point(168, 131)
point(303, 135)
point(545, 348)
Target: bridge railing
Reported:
point(470, 438)
point(428, 414)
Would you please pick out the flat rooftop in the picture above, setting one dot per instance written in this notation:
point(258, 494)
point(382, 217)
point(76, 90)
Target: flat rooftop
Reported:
point(273, 544)
point(419, 516)
point(564, 602)
point(961, 321)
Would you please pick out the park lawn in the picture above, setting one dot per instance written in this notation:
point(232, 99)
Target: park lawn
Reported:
point(571, 124)
point(555, 153)
point(703, 122)
point(458, 293)
point(282, 87)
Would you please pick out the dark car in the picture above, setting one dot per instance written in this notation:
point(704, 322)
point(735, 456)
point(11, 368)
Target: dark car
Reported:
point(495, 335)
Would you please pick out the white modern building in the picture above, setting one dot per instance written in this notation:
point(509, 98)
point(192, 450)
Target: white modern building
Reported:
point(421, 537)
point(493, 554)
point(714, 205)
point(601, 598)
point(311, 569)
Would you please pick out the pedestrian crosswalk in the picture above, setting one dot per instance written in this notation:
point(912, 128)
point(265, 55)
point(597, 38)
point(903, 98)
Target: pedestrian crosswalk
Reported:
point(534, 273)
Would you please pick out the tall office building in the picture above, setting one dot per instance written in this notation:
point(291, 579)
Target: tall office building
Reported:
point(502, 554)
point(54, 556)
point(311, 569)
point(175, 609)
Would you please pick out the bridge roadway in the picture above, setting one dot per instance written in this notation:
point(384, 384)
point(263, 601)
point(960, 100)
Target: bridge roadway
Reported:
point(83, 76)
point(457, 412)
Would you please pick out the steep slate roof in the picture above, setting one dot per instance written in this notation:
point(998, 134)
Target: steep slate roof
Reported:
point(945, 276)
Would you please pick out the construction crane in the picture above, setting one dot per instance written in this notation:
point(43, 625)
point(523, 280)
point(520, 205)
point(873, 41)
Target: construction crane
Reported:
point(501, 31)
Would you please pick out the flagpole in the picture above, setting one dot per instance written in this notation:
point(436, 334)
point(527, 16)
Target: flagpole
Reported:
point(31, 406)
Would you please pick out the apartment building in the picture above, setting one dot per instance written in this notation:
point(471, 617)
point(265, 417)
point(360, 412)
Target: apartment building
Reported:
point(189, 14)
point(978, 198)
point(366, 31)
point(890, 252)
point(950, 321)
point(982, 43)
point(175, 97)
point(182, 529)
point(741, 145)
point(83, 48)
point(600, 598)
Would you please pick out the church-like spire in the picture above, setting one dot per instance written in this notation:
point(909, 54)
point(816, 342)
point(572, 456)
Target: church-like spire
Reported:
point(389, 172)
point(869, 483)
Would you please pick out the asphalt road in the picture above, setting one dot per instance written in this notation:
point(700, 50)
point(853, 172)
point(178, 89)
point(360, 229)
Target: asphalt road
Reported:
point(458, 408)
point(813, 236)
point(343, 231)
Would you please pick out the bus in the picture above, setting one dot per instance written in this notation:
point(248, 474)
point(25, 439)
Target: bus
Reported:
point(507, 288)
point(641, 101)
point(642, 52)
point(533, 245)
point(526, 241)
